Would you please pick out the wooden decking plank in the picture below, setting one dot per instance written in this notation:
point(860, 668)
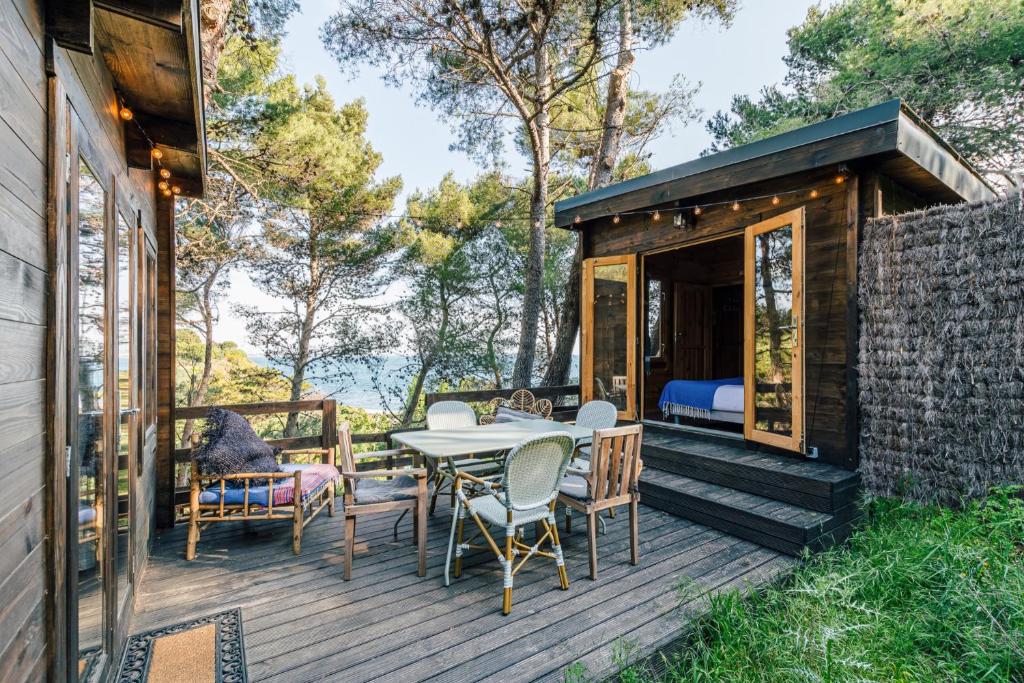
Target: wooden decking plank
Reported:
point(664, 629)
point(424, 633)
point(625, 603)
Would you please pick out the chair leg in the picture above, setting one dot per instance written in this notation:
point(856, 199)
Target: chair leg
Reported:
point(350, 541)
point(568, 519)
point(394, 530)
point(506, 596)
point(611, 513)
point(459, 527)
point(421, 534)
point(193, 535)
point(433, 496)
point(330, 500)
point(592, 543)
point(634, 530)
point(297, 528)
point(556, 547)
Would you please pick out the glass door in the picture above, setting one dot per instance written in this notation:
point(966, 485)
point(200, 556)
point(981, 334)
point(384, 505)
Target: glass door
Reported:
point(773, 331)
point(608, 340)
point(88, 429)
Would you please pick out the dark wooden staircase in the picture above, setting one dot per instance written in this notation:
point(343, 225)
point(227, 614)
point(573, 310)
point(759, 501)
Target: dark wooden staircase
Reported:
point(781, 502)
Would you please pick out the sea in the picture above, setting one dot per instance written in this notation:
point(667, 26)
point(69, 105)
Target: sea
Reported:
point(357, 389)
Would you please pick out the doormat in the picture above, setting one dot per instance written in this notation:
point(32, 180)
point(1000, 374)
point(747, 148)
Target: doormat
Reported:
point(205, 650)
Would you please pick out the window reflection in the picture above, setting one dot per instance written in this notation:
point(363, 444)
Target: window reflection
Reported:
point(610, 334)
point(773, 331)
point(125, 388)
point(91, 397)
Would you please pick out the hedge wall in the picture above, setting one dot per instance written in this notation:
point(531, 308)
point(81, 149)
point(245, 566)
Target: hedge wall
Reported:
point(941, 362)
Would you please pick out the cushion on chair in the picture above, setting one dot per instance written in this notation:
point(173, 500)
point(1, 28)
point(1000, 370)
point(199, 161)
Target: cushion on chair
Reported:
point(370, 491)
point(506, 414)
point(574, 485)
point(316, 478)
point(230, 446)
point(493, 510)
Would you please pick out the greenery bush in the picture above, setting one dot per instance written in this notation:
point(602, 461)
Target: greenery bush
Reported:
point(921, 593)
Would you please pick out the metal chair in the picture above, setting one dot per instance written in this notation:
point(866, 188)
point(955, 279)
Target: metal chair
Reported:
point(611, 480)
point(526, 494)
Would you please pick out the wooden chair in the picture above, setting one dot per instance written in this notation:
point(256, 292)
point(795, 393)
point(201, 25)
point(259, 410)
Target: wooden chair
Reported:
point(368, 493)
point(526, 494)
point(611, 480)
point(252, 501)
point(522, 400)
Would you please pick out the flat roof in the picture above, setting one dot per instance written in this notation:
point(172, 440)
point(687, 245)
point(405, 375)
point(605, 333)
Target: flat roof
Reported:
point(855, 124)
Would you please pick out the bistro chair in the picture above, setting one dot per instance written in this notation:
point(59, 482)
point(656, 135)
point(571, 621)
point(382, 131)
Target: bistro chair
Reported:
point(594, 415)
point(368, 493)
point(525, 494)
point(611, 480)
point(454, 415)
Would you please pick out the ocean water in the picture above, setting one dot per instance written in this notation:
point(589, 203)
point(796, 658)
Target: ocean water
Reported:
point(358, 391)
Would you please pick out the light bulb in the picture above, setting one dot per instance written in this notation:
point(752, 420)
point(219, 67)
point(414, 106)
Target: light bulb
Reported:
point(616, 219)
point(775, 200)
point(176, 190)
point(735, 206)
point(814, 194)
point(162, 184)
point(657, 215)
point(164, 173)
point(697, 211)
point(578, 219)
point(157, 154)
point(126, 113)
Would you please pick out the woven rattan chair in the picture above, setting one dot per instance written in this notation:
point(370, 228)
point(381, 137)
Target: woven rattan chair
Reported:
point(594, 415)
point(611, 480)
point(522, 400)
point(368, 493)
point(526, 494)
point(454, 415)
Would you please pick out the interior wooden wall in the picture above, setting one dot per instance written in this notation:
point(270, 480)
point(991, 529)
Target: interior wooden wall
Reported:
point(826, 332)
point(26, 571)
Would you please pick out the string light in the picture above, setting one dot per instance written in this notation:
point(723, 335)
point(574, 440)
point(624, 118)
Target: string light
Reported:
point(125, 113)
point(814, 194)
point(616, 219)
point(167, 193)
point(157, 154)
point(175, 189)
point(656, 215)
point(776, 200)
point(162, 185)
point(735, 206)
point(840, 179)
point(697, 211)
point(164, 173)
point(578, 219)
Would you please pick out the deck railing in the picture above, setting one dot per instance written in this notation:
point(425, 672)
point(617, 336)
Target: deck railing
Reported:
point(564, 397)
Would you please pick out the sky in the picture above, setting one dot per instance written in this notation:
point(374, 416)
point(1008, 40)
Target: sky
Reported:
point(414, 140)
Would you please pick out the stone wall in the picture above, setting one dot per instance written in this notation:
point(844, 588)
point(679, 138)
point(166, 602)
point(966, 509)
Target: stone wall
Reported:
point(941, 362)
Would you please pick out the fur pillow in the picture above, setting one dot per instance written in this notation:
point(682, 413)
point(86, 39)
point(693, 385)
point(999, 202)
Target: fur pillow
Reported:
point(229, 445)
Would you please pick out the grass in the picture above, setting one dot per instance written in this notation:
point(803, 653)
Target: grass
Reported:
point(919, 594)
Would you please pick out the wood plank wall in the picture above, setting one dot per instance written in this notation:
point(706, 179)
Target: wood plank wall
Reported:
point(27, 560)
point(825, 287)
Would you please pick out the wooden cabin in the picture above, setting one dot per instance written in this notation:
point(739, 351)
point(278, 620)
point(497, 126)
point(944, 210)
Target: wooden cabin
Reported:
point(101, 110)
point(719, 298)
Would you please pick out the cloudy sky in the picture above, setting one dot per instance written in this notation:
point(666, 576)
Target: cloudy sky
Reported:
point(414, 140)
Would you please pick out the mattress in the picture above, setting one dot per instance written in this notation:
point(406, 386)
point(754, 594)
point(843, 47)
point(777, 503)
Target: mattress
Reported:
point(703, 399)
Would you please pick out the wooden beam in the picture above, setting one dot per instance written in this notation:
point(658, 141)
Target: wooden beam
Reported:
point(69, 23)
point(170, 133)
point(163, 13)
point(137, 151)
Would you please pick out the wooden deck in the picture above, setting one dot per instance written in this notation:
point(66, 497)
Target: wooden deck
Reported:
point(302, 622)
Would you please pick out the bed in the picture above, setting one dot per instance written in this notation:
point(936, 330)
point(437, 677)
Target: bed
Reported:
point(713, 399)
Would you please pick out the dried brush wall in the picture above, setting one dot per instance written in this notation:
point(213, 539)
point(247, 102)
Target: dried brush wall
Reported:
point(941, 363)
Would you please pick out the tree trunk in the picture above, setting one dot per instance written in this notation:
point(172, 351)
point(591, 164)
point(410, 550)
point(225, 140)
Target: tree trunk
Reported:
point(608, 155)
point(305, 335)
point(213, 24)
point(199, 397)
point(540, 136)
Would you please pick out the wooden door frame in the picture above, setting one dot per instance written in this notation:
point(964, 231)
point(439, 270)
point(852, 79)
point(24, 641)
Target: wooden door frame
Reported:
point(797, 219)
point(586, 329)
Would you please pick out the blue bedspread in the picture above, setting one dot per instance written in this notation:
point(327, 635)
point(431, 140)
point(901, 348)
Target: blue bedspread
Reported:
point(698, 394)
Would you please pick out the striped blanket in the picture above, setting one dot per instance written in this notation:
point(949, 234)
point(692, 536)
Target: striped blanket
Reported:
point(314, 479)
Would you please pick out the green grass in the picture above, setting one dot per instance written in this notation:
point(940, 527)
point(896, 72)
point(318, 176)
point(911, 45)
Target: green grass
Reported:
point(919, 594)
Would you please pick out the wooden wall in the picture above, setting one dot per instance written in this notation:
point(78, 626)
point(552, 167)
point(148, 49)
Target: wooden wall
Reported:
point(827, 339)
point(31, 564)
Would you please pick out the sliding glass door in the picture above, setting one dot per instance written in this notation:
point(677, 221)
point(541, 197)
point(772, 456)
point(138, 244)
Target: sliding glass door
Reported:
point(773, 331)
point(608, 339)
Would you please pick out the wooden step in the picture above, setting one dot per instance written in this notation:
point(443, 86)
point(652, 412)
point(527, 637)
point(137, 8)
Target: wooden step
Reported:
point(772, 523)
point(798, 481)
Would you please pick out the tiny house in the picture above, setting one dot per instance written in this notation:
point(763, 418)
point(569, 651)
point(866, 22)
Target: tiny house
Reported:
point(720, 295)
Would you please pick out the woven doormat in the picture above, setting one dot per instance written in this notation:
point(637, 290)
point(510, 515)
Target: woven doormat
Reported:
point(205, 650)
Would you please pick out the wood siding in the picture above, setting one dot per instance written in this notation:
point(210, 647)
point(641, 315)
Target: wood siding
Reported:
point(825, 291)
point(31, 454)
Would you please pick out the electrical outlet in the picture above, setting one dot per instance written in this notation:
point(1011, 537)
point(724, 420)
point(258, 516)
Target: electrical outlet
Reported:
point(812, 452)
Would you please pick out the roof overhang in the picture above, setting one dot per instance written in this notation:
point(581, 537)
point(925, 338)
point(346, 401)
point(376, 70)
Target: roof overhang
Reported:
point(152, 50)
point(890, 133)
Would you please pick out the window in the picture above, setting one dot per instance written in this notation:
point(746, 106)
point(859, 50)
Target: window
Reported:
point(150, 337)
point(655, 341)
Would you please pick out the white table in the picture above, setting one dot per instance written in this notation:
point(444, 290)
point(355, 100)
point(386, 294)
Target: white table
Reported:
point(449, 444)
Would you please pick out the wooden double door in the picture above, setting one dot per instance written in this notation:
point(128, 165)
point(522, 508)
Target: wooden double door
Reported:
point(772, 346)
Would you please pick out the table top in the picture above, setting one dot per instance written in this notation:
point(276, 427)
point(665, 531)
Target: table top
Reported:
point(452, 443)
